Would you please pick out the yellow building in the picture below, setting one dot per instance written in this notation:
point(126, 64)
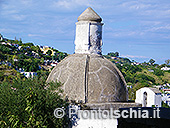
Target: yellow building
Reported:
point(45, 50)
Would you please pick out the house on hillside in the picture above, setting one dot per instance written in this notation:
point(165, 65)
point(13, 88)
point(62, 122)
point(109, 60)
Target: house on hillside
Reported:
point(16, 45)
point(166, 90)
point(9, 44)
point(159, 87)
point(4, 43)
point(114, 58)
point(165, 68)
point(29, 74)
point(135, 63)
point(166, 99)
point(53, 64)
point(148, 97)
point(19, 47)
point(45, 49)
point(150, 70)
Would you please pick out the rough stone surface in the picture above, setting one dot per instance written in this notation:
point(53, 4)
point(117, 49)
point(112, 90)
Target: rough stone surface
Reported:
point(88, 38)
point(113, 105)
point(90, 78)
point(89, 15)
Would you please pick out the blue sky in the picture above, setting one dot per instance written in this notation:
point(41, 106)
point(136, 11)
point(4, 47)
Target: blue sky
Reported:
point(138, 29)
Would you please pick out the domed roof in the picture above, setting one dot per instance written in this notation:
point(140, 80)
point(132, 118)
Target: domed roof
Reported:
point(89, 15)
point(90, 78)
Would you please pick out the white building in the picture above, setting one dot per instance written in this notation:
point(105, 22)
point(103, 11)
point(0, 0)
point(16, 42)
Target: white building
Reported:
point(166, 90)
point(19, 47)
point(165, 68)
point(166, 99)
point(29, 74)
point(148, 96)
point(3, 43)
point(168, 102)
point(53, 64)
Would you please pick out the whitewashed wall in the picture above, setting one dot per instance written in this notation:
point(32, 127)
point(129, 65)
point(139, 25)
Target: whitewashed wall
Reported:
point(88, 38)
point(152, 98)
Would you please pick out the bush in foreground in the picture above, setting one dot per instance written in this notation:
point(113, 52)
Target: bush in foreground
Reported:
point(26, 103)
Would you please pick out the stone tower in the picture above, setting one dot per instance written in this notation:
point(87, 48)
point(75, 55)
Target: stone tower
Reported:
point(87, 76)
point(90, 78)
point(88, 33)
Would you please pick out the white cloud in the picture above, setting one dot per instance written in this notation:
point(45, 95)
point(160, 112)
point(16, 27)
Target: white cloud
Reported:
point(125, 33)
point(137, 5)
point(7, 30)
point(150, 23)
point(15, 11)
point(35, 35)
point(71, 4)
point(134, 56)
point(150, 9)
point(27, 2)
point(160, 28)
point(19, 17)
point(64, 4)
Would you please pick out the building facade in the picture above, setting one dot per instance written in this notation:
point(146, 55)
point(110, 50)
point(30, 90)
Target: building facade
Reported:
point(148, 97)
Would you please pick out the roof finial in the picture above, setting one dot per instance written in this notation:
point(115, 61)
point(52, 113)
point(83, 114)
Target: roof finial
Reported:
point(89, 15)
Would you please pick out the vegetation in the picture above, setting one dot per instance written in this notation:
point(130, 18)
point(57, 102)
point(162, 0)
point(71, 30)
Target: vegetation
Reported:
point(112, 54)
point(151, 61)
point(165, 105)
point(114, 57)
point(167, 61)
point(138, 76)
point(26, 55)
point(28, 103)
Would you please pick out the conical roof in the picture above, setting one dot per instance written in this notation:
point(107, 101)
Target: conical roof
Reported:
point(89, 15)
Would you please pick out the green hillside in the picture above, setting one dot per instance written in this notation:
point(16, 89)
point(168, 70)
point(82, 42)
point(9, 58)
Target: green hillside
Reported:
point(16, 55)
point(26, 102)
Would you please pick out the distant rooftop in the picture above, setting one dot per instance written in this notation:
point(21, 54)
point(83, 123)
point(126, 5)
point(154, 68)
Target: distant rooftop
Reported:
point(89, 15)
point(154, 90)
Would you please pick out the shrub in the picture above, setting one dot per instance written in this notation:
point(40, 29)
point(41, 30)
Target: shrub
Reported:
point(143, 77)
point(26, 103)
point(158, 72)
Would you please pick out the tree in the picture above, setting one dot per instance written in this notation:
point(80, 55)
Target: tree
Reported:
point(42, 60)
point(151, 61)
point(28, 44)
point(26, 103)
point(4, 49)
point(49, 52)
point(116, 54)
point(165, 105)
point(167, 61)
point(158, 72)
point(35, 49)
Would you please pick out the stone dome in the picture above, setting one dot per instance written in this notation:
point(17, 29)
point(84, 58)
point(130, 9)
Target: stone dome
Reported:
point(90, 78)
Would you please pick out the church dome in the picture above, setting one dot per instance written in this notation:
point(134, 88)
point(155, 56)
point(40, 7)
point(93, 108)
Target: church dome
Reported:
point(87, 76)
point(90, 78)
